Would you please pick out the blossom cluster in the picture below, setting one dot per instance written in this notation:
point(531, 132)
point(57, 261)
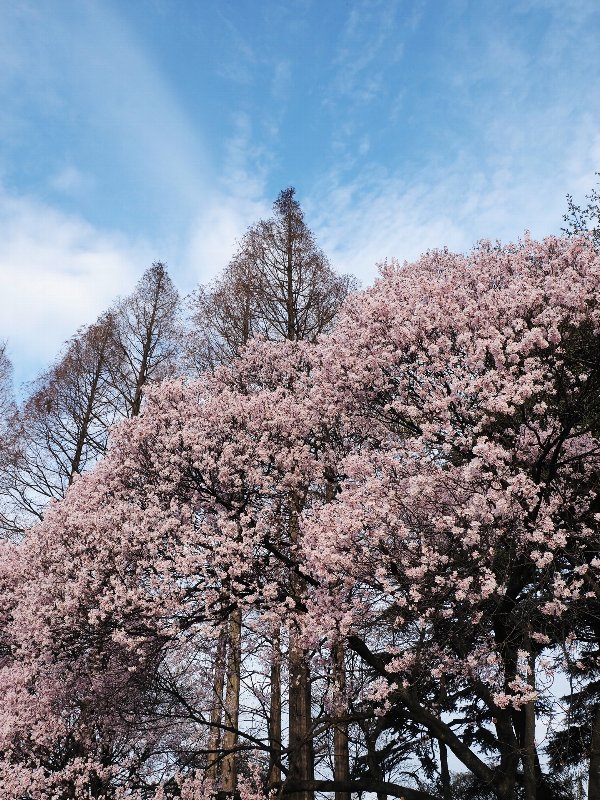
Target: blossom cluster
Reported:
point(421, 485)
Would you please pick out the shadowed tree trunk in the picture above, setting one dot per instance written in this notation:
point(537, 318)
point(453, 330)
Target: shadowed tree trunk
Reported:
point(301, 752)
point(445, 772)
point(232, 705)
point(341, 755)
point(216, 713)
point(594, 776)
point(275, 712)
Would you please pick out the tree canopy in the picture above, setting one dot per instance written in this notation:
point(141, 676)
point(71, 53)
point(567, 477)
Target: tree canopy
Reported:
point(406, 508)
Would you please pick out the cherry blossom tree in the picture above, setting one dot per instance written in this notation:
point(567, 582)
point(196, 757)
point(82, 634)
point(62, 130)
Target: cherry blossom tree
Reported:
point(477, 379)
point(412, 502)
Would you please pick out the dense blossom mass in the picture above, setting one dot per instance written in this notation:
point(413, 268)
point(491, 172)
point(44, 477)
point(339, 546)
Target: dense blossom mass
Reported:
point(393, 529)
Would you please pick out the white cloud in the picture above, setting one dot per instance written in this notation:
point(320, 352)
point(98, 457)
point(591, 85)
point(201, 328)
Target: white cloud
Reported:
point(57, 272)
point(79, 62)
point(377, 215)
point(69, 181)
point(213, 238)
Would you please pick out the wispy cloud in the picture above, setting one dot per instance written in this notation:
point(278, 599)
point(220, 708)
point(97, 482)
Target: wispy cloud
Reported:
point(247, 160)
point(71, 181)
point(57, 273)
point(379, 215)
point(81, 68)
point(369, 44)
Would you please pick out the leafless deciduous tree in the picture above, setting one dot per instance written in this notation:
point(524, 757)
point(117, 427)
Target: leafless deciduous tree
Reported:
point(279, 284)
point(584, 220)
point(62, 427)
point(7, 430)
point(147, 333)
point(6, 393)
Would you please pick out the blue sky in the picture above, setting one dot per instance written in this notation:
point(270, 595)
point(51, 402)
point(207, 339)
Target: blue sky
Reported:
point(161, 129)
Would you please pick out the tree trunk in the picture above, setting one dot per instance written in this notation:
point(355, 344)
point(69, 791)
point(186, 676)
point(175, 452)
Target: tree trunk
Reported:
point(301, 753)
point(290, 305)
point(341, 754)
point(528, 754)
point(505, 782)
point(445, 772)
point(216, 713)
point(594, 776)
point(86, 421)
point(375, 769)
point(232, 705)
point(527, 738)
point(275, 712)
point(140, 380)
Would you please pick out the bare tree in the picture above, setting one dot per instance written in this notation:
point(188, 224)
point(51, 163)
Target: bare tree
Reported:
point(147, 331)
point(62, 428)
point(279, 285)
point(7, 401)
point(297, 292)
point(584, 220)
point(222, 319)
point(7, 434)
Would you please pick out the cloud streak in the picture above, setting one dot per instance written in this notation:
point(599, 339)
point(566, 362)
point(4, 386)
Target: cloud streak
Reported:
point(80, 66)
point(401, 131)
point(380, 215)
point(57, 273)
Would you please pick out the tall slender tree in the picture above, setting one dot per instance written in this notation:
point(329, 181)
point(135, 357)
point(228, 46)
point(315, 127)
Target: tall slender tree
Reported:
point(279, 285)
point(7, 439)
point(62, 428)
point(147, 331)
point(7, 400)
